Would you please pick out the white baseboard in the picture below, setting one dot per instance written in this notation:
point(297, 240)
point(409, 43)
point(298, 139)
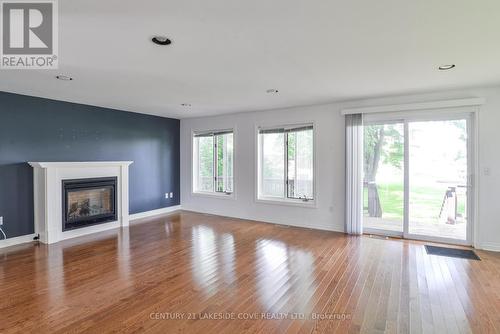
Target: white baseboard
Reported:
point(156, 212)
point(17, 240)
point(331, 228)
point(29, 237)
point(490, 246)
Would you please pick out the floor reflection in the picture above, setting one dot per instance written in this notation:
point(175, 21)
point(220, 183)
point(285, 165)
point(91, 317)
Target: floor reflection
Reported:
point(212, 259)
point(302, 264)
point(55, 274)
point(228, 258)
point(285, 281)
point(124, 254)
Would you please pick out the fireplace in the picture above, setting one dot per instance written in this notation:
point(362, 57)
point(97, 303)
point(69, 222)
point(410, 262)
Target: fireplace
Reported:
point(88, 202)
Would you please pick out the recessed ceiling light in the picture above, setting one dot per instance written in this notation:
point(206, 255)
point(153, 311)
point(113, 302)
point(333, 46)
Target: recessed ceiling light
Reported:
point(161, 40)
point(186, 104)
point(446, 67)
point(64, 77)
point(272, 91)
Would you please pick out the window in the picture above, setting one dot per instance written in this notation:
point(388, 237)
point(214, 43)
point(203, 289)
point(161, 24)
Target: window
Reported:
point(286, 158)
point(213, 162)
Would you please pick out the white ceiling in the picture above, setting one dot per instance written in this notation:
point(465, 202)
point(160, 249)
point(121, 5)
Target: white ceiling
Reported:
point(227, 53)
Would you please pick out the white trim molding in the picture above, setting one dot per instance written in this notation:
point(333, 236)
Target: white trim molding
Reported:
point(490, 246)
point(320, 227)
point(157, 212)
point(79, 164)
point(23, 239)
point(470, 102)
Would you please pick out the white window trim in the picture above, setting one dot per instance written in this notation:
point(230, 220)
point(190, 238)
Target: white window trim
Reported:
point(194, 166)
point(218, 195)
point(433, 105)
point(285, 201)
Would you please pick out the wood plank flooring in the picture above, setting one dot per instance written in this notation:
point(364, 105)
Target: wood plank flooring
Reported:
point(194, 273)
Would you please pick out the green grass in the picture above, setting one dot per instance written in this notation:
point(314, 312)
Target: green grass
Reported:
point(425, 202)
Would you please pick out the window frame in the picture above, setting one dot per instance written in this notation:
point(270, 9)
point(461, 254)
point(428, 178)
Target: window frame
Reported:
point(195, 167)
point(285, 200)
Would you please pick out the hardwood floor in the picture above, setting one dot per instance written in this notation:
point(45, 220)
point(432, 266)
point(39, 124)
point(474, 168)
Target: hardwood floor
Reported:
point(261, 278)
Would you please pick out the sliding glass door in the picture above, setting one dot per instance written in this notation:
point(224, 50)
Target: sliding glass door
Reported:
point(383, 178)
point(416, 177)
point(438, 179)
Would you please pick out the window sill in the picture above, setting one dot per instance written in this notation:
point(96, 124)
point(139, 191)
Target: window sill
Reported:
point(289, 202)
point(213, 195)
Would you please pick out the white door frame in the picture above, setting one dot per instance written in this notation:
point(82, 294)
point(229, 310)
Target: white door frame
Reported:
point(472, 158)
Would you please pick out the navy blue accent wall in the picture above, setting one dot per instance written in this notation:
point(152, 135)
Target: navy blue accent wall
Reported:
point(36, 129)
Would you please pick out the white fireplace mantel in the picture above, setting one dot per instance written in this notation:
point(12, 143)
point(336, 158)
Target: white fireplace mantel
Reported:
point(80, 164)
point(48, 177)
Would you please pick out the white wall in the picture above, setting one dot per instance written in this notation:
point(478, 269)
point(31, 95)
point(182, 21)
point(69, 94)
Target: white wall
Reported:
point(329, 147)
point(329, 127)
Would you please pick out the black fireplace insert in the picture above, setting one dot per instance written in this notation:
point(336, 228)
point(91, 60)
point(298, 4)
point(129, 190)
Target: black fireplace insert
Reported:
point(88, 202)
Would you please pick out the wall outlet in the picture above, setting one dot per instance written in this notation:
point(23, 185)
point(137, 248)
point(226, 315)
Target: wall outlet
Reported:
point(166, 195)
point(171, 195)
point(1, 221)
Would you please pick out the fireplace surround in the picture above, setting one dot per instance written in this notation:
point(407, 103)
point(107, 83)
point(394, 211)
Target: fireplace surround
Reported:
point(88, 210)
